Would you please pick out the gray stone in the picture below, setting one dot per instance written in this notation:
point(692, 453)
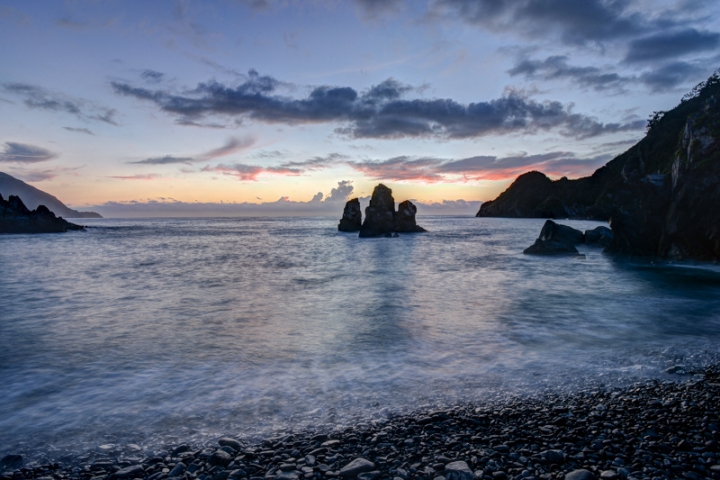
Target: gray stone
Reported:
point(609, 475)
point(129, 472)
point(351, 220)
point(357, 466)
point(220, 457)
point(287, 476)
point(458, 471)
point(230, 442)
point(177, 470)
point(553, 456)
point(581, 474)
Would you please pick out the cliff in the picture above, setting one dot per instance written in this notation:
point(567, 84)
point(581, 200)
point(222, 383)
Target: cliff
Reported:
point(15, 217)
point(658, 196)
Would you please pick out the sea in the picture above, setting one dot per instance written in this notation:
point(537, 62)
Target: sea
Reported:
point(141, 333)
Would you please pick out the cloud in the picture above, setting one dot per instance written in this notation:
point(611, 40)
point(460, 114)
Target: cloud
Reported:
point(373, 9)
point(38, 98)
point(379, 112)
point(557, 68)
point(673, 74)
point(152, 76)
point(575, 22)
point(147, 176)
point(232, 145)
point(79, 130)
point(250, 173)
point(667, 45)
point(166, 160)
point(23, 153)
point(317, 162)
point(341, 192)
point(433, 170)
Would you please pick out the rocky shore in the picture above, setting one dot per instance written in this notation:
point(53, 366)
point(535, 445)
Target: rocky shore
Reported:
point(650, 430)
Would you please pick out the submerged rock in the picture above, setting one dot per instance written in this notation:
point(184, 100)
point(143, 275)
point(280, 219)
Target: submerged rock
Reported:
point(351, 220)
point(15, 217)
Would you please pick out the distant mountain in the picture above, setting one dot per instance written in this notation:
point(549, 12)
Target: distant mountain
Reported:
point(661, 196)
point(32, 198)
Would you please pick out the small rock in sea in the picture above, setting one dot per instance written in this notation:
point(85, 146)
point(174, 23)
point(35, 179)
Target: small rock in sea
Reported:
point(581, 474)
point(357, 466)
point(351, 220)
point(128, 472)
point(458, 471)
point(230, 442)
point(602, 236)
point(11, 462)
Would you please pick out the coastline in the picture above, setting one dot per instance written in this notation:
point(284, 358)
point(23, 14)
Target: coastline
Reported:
point(648, 430)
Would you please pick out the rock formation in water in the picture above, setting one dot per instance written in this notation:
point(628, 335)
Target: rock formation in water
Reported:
point(351, 220)
point(660, 196)
point(561, 239)
point(382, 219)
point(33, 198)
point(15, 217)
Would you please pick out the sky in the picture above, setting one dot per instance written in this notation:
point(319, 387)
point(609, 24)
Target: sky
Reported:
point(186, 107)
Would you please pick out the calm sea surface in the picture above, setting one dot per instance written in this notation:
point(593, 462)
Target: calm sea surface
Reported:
point(148, 331)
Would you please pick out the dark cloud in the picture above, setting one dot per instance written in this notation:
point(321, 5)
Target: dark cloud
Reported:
point(380, 112)
point(317, 162)
point(166, 160)
point(373, 9)
point(433, 170)
point(667, 45)
point(152, 76)
point(39, 98)
point(341, 192)
point(79, 130)
point(671, 75)
point(576, 22)
point(557, 68)
point(23, 153)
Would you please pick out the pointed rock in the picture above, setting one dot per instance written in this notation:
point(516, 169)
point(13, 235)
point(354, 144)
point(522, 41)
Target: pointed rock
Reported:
point(380, 214)
point(405, 218)
point(351, 220)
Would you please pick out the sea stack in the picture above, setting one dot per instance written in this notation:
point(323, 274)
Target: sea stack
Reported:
point(351, 220)
point(380, 214)
point(382, 219)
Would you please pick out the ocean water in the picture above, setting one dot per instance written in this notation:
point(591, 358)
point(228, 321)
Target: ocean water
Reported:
point(138, 333)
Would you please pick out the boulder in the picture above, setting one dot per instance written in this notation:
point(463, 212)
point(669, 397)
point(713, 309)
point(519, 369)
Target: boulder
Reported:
point(458, 471)
point(405, 218)
point(356, 467)
point(11, 462)
point(599, 236)
point(15, 217)
point(556, 239)
point(380, 214)
point(351, 220)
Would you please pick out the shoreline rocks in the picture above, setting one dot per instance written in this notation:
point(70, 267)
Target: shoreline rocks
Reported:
point(647, 430)
point(15, 217)
point(557, 239)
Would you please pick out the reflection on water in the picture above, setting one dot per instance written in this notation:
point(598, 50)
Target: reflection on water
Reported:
point(135, 330)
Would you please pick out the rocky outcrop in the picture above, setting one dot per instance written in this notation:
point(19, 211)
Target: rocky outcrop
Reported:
point(351, 220)
point(405, 218)
point(602, 236)
point(15, 217)
point(33, 198)
point(382, 219)
point(660, 196)
point(556, 239)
